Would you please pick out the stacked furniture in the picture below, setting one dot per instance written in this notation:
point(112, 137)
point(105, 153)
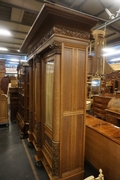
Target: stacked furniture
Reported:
point(57, 46)
point(23, 98)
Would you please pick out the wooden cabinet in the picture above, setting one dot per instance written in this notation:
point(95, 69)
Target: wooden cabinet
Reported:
point(3, 109)
point(100, 104)
point(23, 98)
point(57, 47)
point(3, 97)
point(13, 97)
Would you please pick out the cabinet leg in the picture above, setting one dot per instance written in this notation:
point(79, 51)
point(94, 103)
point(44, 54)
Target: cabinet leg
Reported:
point(39, 164)
point(30, 145)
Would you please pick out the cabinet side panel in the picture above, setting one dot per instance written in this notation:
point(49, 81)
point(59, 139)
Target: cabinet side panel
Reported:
point(73, 76)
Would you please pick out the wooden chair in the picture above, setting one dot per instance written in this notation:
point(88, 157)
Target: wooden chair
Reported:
point(100, 176)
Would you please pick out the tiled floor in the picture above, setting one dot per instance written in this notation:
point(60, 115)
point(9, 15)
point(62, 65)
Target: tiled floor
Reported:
point(14, 162)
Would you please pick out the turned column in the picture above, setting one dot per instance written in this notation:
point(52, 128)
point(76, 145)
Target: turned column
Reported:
point(98, 60)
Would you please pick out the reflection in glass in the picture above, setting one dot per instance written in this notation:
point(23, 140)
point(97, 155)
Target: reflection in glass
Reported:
point(49, 92)
point(95, 86)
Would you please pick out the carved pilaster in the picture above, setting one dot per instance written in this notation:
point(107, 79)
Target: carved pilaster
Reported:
point(56, 159)
point(38, 134)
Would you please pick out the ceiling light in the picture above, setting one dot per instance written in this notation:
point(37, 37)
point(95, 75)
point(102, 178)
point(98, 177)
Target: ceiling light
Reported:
point(15, 60)
point(3, 49)
point(112, 53)
point(116, 59)
point(14, 63)
point(5, 32)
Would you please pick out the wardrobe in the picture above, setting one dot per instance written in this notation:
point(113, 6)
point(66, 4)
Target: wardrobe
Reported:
point(57, 45)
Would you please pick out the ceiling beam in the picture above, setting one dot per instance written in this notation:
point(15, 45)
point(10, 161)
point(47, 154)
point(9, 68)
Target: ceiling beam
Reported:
point(15, 22)
point(21, 32)
point(75, 2)
point(19, 7)
point(80, 7)
point(10, 43)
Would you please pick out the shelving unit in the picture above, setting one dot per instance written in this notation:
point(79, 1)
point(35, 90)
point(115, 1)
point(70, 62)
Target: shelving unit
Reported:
point(23, 98)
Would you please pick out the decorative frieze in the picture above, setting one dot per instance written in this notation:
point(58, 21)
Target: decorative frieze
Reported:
point(71, 33)
point(62, 31)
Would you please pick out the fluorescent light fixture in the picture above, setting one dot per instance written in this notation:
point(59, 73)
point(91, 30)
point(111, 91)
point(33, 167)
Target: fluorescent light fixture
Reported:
point(112, 53)
point(14, 63)
point(3, 49)
point(15, 60)
point(18, 50)
point(5, 32)
point(108, 49)
point(23, 60)
point(116, 59)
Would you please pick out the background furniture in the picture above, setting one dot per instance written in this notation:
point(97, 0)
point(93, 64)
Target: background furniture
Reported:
point(3, 108)
point(103, 146)
point(100, 104)
point(113, 110)
point(23, 98)
point(13, 99)
point(57, 45)
point(3, 97)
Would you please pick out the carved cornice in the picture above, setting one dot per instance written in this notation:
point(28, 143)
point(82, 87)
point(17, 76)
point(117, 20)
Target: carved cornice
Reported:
point(64, 32)
point(55, 159)
point(72, 33)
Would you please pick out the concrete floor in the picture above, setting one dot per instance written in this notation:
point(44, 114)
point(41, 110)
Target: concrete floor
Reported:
point(14, 162)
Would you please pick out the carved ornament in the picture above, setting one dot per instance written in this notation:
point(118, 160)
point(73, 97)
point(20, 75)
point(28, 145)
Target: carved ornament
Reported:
point(72, 33)
point(55, 159)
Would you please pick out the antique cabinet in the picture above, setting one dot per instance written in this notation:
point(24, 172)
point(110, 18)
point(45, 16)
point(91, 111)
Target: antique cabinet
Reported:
point(3, 97)
point(3, 108)
point(57, 45)
point(23, 98)
point(100, 103)
point(13, 98)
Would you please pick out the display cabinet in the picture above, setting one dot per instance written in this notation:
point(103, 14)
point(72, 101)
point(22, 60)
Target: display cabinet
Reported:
point(57, 45)
point(23, 98)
